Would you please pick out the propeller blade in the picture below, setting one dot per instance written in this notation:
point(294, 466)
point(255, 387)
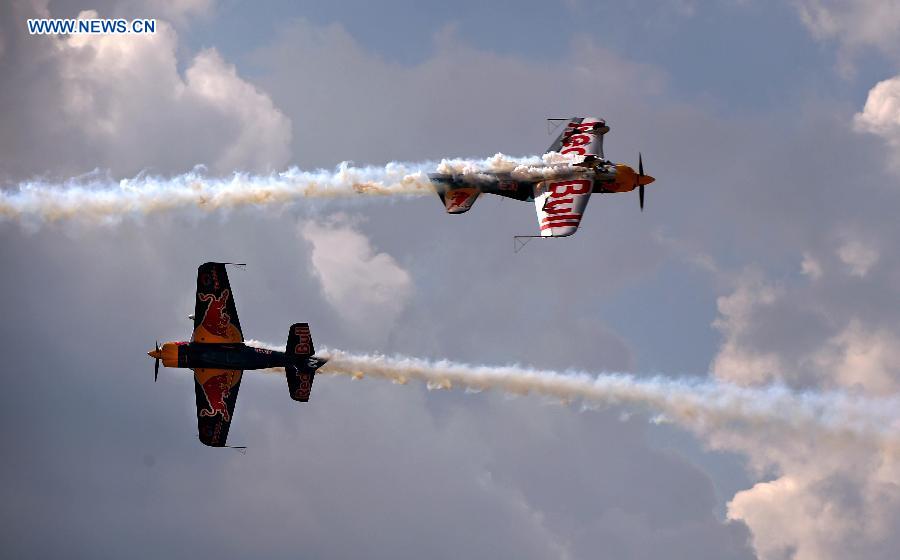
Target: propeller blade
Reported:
point(640, 177)
point(156, 365)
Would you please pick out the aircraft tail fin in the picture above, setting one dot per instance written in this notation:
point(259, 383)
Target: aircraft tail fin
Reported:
point(301, 373)
point(299, 342)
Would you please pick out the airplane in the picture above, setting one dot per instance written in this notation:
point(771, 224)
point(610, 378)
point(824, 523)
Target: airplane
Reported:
point(218, 356)
point(561, 196)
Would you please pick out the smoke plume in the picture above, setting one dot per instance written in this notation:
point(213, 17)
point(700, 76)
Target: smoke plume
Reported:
point(94, 199)
point(701, 405)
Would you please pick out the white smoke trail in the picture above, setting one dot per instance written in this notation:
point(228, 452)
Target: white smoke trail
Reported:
point(92, 199)
point(700, 405)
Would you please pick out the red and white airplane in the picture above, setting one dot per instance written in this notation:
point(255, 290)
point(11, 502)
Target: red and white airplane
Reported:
point(560, 187)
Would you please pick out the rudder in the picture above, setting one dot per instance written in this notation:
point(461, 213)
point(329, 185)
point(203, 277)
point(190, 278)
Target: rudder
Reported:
point(299, 342)
point(301, 373)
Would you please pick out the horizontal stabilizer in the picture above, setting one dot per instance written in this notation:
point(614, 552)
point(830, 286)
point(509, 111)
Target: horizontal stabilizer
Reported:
point(459, 200)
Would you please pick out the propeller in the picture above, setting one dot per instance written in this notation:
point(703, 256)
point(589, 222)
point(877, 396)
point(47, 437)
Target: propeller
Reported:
point(640, 183)
point(156, 364)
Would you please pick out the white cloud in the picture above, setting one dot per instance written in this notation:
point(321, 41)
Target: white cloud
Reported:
point(119, 102)
point(369, 289)
point(858, 256)
point(177, 10)
point(881, 115)
point(262, 135)
point(783, 333)
point(832, 497)
point(458, 91)
point(853, 23)
point(860, 356)
point(121, 90)
point(737, 320)
point(818, 514)
point(811, 267)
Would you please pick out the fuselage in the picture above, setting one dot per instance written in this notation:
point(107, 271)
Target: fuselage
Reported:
point(232, 355)
point(608, 177)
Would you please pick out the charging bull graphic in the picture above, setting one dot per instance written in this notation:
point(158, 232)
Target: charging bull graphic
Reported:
point(304, 386)
point(215, 318)
point(217, 389)
point(218, 356)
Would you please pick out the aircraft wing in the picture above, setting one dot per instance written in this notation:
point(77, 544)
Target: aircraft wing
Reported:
point(560, 205)
point(582, 136)
point(217, 391)
point(215, 316)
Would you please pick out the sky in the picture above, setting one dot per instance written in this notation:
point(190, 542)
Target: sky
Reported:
point(765, 257)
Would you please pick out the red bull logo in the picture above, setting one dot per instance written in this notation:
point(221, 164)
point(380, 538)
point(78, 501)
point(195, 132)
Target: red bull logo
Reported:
point(303, 344)
point(458, 197)
point(461, 199)
point(559, 207)
point(304, 386)
point(217, 389)
point(215, 318)
point(578, 137)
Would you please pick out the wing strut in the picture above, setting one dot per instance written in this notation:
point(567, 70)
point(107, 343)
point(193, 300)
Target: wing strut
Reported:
point(519, 241)
point(553, 124)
